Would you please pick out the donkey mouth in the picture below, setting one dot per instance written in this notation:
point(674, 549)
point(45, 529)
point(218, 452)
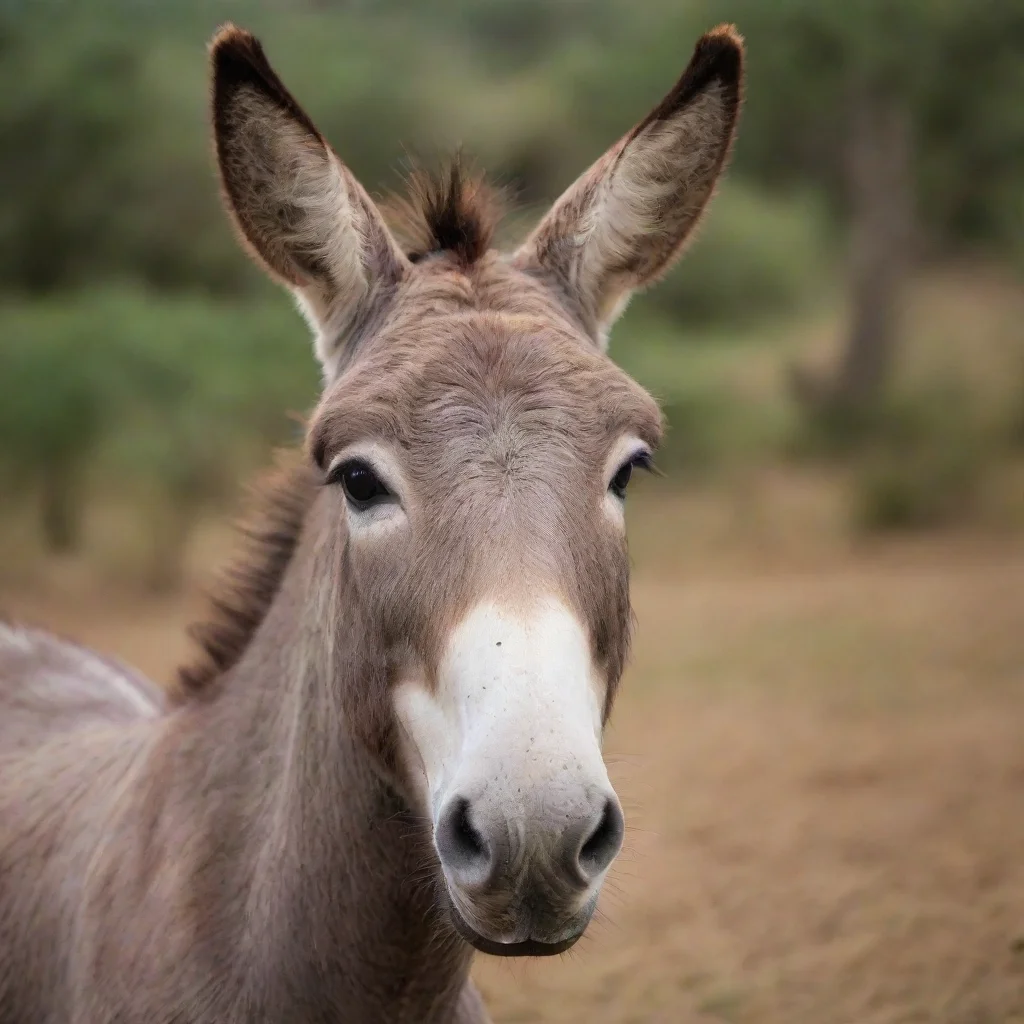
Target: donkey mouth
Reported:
point(529, 947)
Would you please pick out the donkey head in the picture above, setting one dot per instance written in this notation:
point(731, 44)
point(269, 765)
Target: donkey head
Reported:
point(476, 444)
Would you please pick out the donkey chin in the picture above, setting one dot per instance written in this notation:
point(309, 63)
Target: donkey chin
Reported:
point(521, 924)
point(527, 888)
point(525, 822)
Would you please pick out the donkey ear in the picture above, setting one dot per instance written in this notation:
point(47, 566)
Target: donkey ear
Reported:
point(299, 210)
point(625, 221)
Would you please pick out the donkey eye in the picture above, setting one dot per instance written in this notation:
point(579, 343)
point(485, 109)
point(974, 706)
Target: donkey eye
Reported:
point(361, 485)
point(620, 481)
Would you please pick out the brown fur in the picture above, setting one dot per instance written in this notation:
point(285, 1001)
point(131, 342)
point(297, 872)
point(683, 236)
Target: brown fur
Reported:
point(261, 854)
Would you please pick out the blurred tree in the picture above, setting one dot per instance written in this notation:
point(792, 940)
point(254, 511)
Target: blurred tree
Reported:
point(66, 132)
point(900, 124)
point(203, 389)
point(860, 97)
point(51, 421)
point(106, 172)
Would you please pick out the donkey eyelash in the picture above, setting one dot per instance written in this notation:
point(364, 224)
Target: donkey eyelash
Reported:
point(333, 471)
point(642, 459)
point(620, 481)
point(648, 465)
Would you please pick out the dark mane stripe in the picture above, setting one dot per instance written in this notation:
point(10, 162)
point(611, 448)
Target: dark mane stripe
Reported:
point(248, 586)
point(447, 212)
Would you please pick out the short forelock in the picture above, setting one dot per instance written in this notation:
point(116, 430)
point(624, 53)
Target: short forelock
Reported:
point(445, 212)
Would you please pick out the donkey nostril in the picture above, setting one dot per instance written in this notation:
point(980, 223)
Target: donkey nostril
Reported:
point(600, 848)
point(461, 846)
point(467, 836)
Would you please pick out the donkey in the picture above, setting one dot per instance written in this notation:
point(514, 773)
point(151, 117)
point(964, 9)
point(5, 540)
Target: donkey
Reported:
point(388, 754)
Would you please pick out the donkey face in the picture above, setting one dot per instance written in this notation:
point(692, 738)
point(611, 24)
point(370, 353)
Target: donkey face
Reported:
point(476, 445)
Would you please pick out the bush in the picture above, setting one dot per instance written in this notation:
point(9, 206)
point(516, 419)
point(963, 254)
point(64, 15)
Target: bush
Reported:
point(923, 463)
point(693, 441)
point(1016, 424)
point(755, 255)
point(55, 405)
point(713, 427)
point(169, 400)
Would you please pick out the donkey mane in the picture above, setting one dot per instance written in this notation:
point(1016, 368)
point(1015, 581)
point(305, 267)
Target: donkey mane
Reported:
point(246, 589)
point(448, 211)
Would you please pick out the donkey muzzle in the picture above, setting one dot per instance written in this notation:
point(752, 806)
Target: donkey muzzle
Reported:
point(526, 884)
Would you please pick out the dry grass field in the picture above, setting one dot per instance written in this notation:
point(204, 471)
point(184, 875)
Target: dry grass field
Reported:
point(820, 747)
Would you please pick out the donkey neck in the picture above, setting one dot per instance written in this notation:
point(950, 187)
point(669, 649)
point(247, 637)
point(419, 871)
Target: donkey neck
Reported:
point(314, 863)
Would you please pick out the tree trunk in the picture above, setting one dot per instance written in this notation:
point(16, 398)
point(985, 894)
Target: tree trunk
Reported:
point(879, 174)
point(880, 190)
point(60, 510)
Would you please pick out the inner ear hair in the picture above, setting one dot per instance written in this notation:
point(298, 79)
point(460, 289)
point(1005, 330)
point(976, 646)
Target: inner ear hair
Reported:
point(299, 211)
point(625, 221)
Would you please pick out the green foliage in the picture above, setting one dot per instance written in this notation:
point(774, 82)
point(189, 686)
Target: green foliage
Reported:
point(103, 122)
point(167, 399)
point(140, 349)
point(700, 434)
point(1015, 432)
point(715, 386)
point(53, 411)
point(756, 255)
point(50, 413)
point(65, 143)
point(949, 63)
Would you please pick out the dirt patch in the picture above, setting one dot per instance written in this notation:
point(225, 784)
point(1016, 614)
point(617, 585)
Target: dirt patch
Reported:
point(824, 773)
point(794, 864)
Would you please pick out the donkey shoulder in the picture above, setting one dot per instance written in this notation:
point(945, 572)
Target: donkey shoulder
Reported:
point(49, 684)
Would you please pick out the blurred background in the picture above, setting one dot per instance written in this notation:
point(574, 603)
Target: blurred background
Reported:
point(821, 742)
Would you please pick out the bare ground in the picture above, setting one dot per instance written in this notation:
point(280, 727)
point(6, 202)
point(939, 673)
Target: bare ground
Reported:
point(825, 775)
point(822, 761)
